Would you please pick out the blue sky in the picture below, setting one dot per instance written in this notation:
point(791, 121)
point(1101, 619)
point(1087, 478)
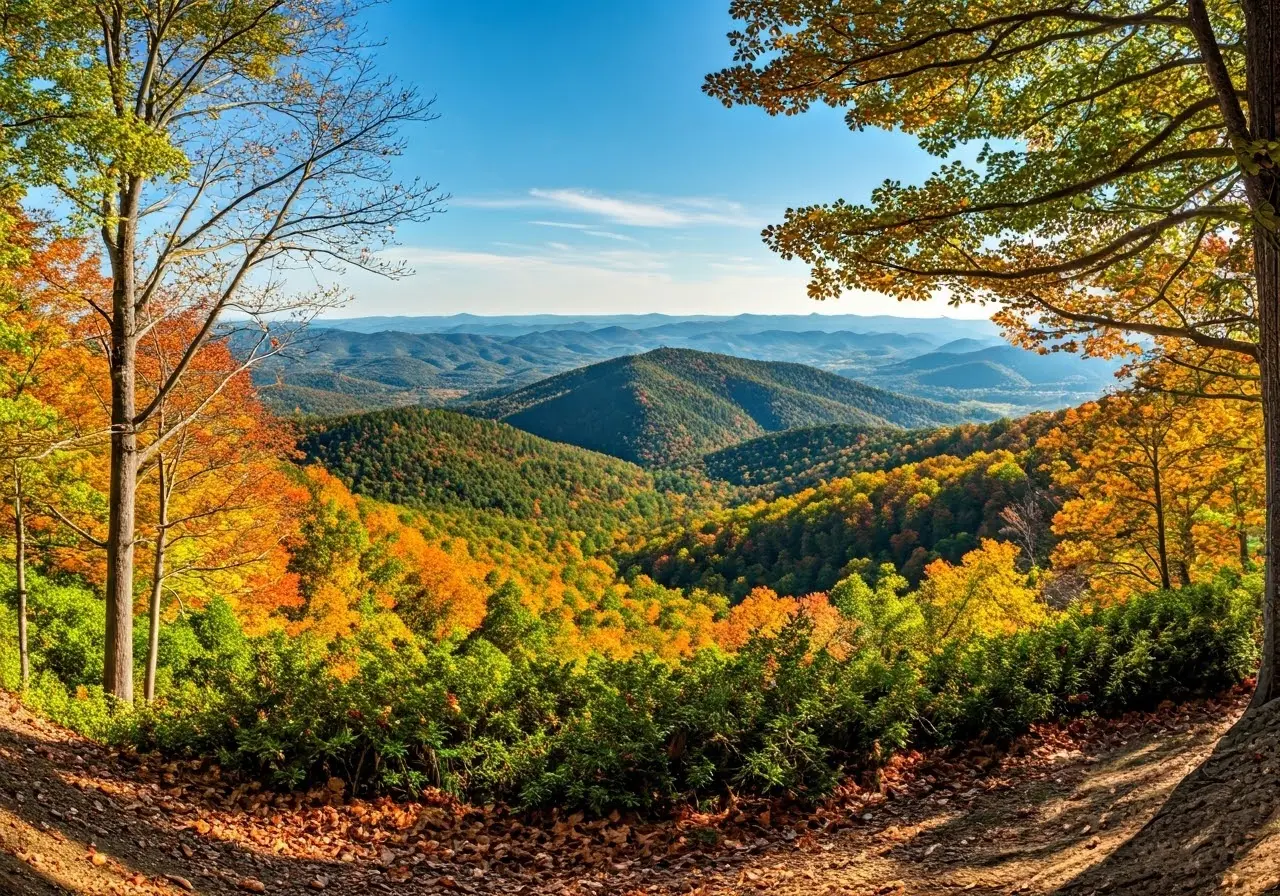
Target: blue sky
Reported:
point(589, 172)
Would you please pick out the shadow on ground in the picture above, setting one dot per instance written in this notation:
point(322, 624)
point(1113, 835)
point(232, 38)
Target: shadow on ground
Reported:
point(52, 822)
point(1217, 830)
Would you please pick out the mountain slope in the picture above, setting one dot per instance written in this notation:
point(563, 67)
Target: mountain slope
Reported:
point(673, 405)
point(998, 375)
point(787, 462)
point(431, 459)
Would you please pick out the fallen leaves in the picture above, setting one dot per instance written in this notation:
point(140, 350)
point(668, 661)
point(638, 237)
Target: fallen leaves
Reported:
point(202, 821)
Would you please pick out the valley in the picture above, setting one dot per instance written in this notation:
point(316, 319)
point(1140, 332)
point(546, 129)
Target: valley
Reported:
point(820, 447)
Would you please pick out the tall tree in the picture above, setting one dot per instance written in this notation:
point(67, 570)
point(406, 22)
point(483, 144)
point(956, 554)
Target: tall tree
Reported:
point(210, 145)
point(1134, 183)
point(40, 422)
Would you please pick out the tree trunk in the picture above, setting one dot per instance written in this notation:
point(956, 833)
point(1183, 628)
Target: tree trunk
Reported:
point(157, 588)
point(117, 679)
point(1162, 540)
point(1262, 42)
point(20, 573)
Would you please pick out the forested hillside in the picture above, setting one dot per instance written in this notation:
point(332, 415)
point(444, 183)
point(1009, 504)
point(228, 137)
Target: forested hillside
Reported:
point(671, 405)
point(437, 459)
point(795, 459)
point(907, 516)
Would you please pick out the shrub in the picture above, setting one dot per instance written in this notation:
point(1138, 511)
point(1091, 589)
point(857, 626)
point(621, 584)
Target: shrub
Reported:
point(491, 719)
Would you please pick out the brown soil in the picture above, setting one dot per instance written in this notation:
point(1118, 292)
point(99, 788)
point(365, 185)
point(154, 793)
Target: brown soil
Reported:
point(1101, 807)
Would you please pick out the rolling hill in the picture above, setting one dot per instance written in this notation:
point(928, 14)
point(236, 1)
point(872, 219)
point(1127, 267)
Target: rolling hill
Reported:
point(671, 406)
point(345, 365)
point(786, 462)
point(437, 459)
point(997, 375)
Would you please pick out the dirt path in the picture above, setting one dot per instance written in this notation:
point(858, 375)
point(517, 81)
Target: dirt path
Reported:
point(75, 818)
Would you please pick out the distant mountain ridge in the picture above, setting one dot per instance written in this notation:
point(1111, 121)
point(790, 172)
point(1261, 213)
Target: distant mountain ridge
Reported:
point(457, 360)
point(941, 328)
point(671, 406)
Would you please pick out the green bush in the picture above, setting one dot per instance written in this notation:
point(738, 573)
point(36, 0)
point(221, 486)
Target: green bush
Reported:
point(1153, 647)
point(491, 719)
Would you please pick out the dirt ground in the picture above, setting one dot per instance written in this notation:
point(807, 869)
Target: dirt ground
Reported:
point(1120, 806)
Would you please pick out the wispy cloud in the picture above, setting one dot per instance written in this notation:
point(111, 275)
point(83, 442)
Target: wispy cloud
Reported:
point(610, 235)
point(552, 254)
point(634, 211)
point(587, 230)
point(565, 224)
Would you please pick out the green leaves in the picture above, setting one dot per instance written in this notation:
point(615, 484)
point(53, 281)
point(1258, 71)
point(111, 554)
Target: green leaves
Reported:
point(1104, 162)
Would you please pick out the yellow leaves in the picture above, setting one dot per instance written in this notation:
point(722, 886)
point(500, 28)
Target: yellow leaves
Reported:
point(985, 595)
point(1162, 491)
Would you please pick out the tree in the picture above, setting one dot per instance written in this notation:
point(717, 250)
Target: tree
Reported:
point(1139, 195)
point(761, 614)
point(985, 594)
point(40, 423)
point(221, 509)
point(1159, 487)
point(210, 146)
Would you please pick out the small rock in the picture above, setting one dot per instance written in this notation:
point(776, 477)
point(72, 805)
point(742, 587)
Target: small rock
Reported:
point(252, 885)
point(178, 881)
point(318, 883)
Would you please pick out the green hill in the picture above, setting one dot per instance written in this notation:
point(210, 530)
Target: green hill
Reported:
point(974, 375)
point(805, 542)
point(435, 459)
point(786, 462)
point(671, 406)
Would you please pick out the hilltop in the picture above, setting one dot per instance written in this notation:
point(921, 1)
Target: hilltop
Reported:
point(670, 406)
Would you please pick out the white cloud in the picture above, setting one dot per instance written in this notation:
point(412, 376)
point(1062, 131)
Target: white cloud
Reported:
point(610, 235)
point(564, 224)
point(529, 280)
point(639, 211)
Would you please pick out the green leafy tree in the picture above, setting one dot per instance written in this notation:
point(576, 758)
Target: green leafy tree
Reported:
point(206, 144)
point(1130, 184)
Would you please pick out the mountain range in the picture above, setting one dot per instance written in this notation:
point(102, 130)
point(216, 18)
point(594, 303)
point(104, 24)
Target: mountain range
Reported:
point(671, 406)
point(348, 365)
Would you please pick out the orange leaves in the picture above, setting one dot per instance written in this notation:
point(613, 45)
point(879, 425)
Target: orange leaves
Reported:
point(435, 592)
point(762, 613)
point(1162, 490)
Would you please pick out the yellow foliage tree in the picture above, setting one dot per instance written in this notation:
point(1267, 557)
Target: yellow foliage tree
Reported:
point(1162, 489)
point(985, 594)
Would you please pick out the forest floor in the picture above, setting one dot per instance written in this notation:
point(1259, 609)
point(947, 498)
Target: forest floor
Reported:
point(1098, 806)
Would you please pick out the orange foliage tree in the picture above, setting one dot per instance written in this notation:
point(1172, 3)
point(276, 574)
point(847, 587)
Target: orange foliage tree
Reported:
point(43, 420)
point(1163, 489)
point(216, 508)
